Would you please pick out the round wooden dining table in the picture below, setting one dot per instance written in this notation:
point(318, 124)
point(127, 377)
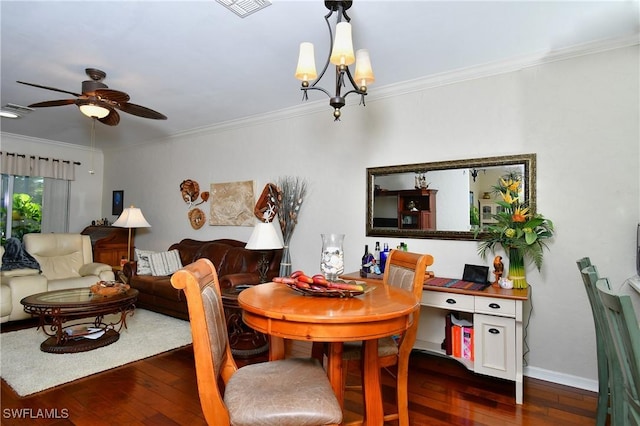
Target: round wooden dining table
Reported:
point(283, 313)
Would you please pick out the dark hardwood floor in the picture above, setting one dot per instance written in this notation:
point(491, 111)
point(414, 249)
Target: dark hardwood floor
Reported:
point(161, 390)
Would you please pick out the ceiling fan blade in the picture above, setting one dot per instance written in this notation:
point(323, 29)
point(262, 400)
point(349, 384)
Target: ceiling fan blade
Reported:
point(49, 88)
point(112, 95)
point(141, 111)
point(53, 103)
point(112, 119)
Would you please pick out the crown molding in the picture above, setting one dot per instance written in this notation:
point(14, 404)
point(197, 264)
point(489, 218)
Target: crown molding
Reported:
point(429, 82)
point(65, 145)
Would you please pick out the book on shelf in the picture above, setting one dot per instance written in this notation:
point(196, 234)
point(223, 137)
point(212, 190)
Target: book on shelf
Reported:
point(459, 337)
point(467, 343)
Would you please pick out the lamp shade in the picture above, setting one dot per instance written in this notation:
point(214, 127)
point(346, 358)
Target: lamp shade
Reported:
point(264, 237)
point(132, 217)
point(306, 69)
point(93, 110)
point(364, 73)
point(342, 53)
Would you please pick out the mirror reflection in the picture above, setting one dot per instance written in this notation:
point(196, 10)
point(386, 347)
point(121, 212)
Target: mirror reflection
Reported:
point(442, 200)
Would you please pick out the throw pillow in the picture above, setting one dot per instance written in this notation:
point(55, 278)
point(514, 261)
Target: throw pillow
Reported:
point(165, 263)
point(144, 267)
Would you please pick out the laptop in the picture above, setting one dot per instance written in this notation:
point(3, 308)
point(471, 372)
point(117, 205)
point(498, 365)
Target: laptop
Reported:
point(476, 274)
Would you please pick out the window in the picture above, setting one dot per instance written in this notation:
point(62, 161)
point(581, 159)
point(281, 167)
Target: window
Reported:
point(33, 204)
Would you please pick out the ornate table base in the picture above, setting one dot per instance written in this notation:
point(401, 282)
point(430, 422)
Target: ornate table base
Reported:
point(56, 309)
point(245, 342)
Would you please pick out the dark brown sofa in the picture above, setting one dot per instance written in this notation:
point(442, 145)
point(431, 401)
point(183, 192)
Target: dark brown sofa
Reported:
point(234, 264)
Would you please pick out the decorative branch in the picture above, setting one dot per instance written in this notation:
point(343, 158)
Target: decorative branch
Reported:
point(288, 197)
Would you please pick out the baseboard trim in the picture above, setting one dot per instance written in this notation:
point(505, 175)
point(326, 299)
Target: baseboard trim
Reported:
point(561, 378)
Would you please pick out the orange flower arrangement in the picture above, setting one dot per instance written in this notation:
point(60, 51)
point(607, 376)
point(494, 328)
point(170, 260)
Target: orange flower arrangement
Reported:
point(517, 230)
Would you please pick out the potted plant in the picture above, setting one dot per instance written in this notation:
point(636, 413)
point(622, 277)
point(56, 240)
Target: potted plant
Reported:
point(520, 232)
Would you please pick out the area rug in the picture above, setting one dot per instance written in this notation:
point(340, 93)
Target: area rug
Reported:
point(29, 370)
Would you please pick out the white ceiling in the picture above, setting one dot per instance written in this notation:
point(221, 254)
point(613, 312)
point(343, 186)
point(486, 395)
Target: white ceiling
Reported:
point(200, 64)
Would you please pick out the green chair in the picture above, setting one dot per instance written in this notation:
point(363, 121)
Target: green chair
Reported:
point(625, 345)
point(603, 369)
point(610, 390)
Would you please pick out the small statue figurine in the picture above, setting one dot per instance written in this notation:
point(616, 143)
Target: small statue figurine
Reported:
point(498, 269)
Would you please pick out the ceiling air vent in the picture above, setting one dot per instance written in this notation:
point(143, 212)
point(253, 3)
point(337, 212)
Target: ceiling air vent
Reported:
point(14, 111)
point(244, 8)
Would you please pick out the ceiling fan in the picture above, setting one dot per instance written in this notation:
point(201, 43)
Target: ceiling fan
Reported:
point(98, 101)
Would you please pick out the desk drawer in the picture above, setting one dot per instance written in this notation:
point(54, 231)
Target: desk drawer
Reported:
point(495, 306)
point(453, 301)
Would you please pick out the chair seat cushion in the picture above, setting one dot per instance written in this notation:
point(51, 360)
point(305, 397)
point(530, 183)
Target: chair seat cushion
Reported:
point(386, 347)
point(279, 393)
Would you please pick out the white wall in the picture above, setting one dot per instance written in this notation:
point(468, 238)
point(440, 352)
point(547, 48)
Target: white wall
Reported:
point(579, 115)
point(85, 201)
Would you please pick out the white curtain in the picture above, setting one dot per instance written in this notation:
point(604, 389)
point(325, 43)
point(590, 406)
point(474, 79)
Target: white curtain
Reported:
point(55, 206)
point(25, 165)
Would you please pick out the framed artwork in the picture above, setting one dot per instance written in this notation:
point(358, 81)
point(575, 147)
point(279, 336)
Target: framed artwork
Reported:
point(117, 203)
point(232, 204)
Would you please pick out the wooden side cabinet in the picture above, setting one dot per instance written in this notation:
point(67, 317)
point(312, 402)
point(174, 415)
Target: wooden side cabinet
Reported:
point(497, 317)
point(109, 243)
point(417, 209)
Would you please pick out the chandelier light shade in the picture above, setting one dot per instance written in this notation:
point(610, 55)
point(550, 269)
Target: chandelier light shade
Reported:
point(131, 217)
point(341, 55)
point(342, 52)
point(364, 73)
point(306, 69)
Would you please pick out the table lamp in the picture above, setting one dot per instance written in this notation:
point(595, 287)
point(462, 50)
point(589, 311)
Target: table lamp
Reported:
point(131, 217)
point(264, 238)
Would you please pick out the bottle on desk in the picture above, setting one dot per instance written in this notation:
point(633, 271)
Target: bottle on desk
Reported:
point(376, 252)
point(367, 262)
point(383, 257)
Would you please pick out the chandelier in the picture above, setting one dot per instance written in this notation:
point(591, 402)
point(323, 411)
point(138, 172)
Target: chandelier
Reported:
point(341, 55)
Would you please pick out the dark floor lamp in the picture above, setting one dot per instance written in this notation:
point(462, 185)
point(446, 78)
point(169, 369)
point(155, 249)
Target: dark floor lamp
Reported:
point(264, 238)
point(131, 217)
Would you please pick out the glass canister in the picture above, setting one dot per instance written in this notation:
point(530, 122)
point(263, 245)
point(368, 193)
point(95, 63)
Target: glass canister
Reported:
point(332, 258)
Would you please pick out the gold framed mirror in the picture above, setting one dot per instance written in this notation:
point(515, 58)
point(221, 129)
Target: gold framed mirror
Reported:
point(445, 200)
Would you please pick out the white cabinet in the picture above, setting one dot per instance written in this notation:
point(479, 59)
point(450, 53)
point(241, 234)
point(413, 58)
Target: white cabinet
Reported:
point(495, 350)
point(497, 323)
point(488, 209)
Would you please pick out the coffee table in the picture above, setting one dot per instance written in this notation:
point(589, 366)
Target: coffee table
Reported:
point(55, 308)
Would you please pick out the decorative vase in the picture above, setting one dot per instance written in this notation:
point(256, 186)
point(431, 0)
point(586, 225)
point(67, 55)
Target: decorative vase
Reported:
point(332, 257)
point(285, 262)
point(516, 268)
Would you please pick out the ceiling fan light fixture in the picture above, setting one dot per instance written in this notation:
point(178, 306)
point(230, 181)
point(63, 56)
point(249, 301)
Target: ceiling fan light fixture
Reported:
point(92, 110)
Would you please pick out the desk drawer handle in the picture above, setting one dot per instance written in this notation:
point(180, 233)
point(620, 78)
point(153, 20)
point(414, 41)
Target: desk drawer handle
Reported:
point(494, 306)
point(451, 301)
point(494, 331)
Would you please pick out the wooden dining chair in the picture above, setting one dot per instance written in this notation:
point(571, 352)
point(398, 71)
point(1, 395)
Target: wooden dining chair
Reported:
point(407, 271)
point(600, 322)
point(610, 387)
point(624, 344)
point(289, 392)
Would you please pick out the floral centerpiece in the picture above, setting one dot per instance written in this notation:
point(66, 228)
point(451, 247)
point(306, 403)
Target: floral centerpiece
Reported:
point(520, 232)
point(288, 197)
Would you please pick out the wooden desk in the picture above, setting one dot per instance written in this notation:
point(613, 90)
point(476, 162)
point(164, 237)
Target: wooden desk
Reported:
point(498, 321)
point(282, 313)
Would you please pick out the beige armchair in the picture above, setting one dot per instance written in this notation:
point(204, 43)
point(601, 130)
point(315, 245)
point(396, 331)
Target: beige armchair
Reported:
point(66, 260)
point(14, 286)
